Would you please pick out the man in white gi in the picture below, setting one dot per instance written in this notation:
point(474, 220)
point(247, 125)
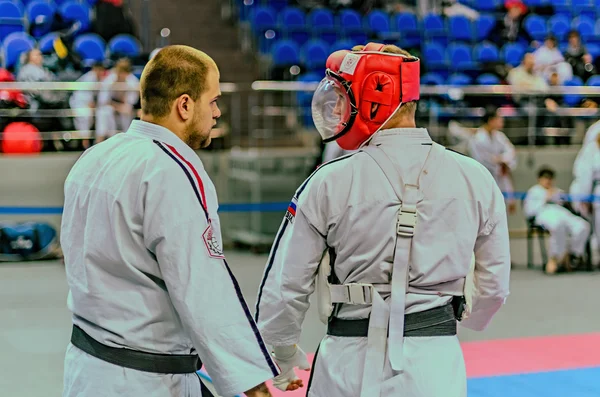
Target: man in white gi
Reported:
point(585, 187)
point(151, 293)
point(115, 107)
point(400, 221)
point(84, 103)
point(494, 151)
point(544, 204)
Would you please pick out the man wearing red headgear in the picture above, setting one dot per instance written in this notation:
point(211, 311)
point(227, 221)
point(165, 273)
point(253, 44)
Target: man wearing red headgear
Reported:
point(401, 239)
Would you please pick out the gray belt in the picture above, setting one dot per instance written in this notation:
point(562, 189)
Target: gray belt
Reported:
point(439, 321)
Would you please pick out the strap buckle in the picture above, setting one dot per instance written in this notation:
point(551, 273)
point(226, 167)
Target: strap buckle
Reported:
point(359, 294)
point(407, 221)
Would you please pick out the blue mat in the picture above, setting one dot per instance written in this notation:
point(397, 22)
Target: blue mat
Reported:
point(565, 383)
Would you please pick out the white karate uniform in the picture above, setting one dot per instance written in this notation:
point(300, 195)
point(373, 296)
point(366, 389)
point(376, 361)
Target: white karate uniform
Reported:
point(109, 121)
point(592, 133)
point(586, 182)
point(559, 221)
point(80, 103)
point(333, 151)
point(348, 206)
point(145, 268)
point(483, 147)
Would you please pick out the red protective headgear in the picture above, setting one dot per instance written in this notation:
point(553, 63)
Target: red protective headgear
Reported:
point(342, 103)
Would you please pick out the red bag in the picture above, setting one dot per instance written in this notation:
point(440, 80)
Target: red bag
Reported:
point(11, 98)
point(21, 138)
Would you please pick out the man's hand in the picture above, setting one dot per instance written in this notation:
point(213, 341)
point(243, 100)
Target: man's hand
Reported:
point(289, 357)
point(259, 391)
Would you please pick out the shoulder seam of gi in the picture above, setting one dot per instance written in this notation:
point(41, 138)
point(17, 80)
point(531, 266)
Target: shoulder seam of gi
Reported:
point(282, 231)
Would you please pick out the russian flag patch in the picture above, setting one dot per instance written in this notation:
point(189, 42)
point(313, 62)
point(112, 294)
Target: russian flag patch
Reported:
point(291, 211)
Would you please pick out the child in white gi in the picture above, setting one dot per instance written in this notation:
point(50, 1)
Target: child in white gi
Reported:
point(543, 202)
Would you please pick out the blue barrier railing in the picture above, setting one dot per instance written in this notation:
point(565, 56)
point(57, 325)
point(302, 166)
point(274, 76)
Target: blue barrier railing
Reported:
point(265, 207)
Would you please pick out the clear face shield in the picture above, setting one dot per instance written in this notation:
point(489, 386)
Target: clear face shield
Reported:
point(332, 107)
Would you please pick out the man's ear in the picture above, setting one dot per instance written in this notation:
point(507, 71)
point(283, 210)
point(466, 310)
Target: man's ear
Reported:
point(184, 107)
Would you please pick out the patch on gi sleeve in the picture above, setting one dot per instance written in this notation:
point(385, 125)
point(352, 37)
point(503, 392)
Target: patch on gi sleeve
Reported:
point(212, 243)
point(291, 211)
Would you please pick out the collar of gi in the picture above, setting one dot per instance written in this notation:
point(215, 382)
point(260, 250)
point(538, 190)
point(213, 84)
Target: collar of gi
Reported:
point(404, 136)
point(162, 134)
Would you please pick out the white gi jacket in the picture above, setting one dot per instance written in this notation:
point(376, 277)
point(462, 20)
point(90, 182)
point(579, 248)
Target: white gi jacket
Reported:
point(591, 133)
point(586, 177)
point(483, 147)
point(349, 206)
point(145, 268)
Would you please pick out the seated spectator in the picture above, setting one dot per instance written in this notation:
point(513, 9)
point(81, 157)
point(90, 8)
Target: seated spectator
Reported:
point(524, 77)
point(84, 103)
point(34, 71)
point(578, 57)
point(544, 204)
point(115, 108)
point(490, 147)
point(548, 60)
point(510, 28)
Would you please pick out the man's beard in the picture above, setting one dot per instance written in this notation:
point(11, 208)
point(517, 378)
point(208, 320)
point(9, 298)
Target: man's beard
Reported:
point(196, 139)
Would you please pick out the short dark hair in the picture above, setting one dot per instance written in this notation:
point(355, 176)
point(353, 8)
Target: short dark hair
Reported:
point(490, 113)
point(546, 172)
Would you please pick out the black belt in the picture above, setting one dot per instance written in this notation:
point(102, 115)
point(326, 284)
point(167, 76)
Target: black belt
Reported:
point(439, 321)
point(141, 361)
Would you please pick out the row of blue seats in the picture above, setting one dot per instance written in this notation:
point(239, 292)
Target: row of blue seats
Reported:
point(89, 46)
point(559, 25)
point(435, 57)
point(57, 2)
point(15, 18)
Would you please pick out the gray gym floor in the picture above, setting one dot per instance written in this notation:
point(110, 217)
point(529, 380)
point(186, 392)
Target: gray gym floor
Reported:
point(35, 324)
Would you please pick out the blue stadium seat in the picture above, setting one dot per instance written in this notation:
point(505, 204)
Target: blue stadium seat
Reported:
point(434, 56)
point(314, 54)
point(277, 5)
point(585, 26)
point(378, 24)
point(593, 81)
point(292, 22)
point(72, 11)
point(341, 45)
point(408, 25)
point(460, 57)
point(487, 79)
point(90, 47)
point(322, 23)
point(512, 53)
point(593, 49)
point(535, 3)
point(562, 7)
point(124, 45)
point(352, 26)
point(573, 99)
point(486, 52)
point(14, 45)
point(46, 43)
point(41, 13)
point(459, 79)
point(460, 28)
point(11, 18)
point(262, 18)
point(285, 53)
point(434, 29)
point(559, 26)
point(487, 5)
point(432, 79)
point(584, 7)
point(484, 25)
point(535, 25)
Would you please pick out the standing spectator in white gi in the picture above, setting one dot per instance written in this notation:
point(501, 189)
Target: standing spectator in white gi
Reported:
point(544, 204)
point(84, 103)
point(585, 187)
point(494, 151)
point(400, 221)
point(151, 294)
point(115, 108)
